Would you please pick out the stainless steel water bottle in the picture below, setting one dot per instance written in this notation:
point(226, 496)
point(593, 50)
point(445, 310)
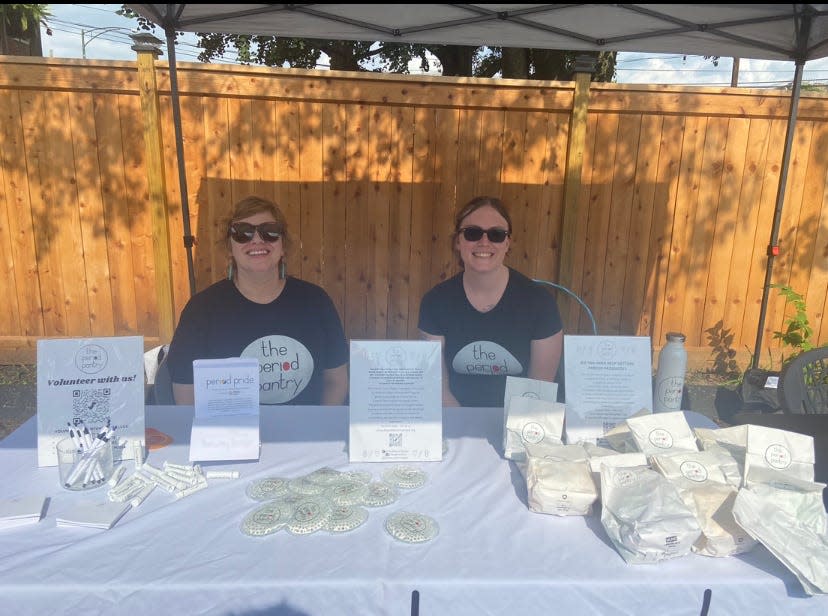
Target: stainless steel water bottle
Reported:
point(669, 381)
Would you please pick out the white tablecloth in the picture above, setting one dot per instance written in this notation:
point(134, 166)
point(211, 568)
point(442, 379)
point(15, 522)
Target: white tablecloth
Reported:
point(492, 556)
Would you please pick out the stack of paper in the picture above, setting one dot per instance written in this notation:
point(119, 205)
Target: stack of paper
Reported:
point(24, 510)
point(94, 515)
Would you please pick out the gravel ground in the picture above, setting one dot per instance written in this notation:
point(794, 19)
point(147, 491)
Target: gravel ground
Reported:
point(18, 397)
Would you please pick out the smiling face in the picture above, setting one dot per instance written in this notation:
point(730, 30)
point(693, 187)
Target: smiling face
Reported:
point(257, 256)
point(483, 255)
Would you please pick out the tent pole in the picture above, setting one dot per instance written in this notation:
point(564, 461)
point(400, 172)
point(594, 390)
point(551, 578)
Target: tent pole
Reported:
point(189, 240)
point(773, 246)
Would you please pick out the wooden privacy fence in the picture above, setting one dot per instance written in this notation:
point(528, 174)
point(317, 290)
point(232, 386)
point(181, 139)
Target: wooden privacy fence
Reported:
point(653, 203)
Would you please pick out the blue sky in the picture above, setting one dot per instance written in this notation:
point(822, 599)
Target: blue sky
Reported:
point(105, 36)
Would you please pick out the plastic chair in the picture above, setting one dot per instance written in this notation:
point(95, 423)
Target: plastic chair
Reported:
point(160, 390)
point(803, 383)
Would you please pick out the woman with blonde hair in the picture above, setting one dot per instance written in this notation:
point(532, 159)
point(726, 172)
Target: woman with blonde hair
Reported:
point(291, 326)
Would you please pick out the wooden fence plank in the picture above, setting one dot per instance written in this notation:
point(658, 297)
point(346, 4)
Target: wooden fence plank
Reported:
point(619, 231)
point(111, 145)
point(91, 214)
point(424, 158)
point(641, 222)
point(25, 294)
point(703, 229)
point(357, 242)
point(402, 323)
point(551, 197)
point(678, 269)
point(335, 205)
point(720, 264)
point(218, 190)
point(598, 224)
point(310, 192)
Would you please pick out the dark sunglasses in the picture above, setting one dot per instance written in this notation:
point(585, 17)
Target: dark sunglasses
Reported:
point(243, 232)
point(474, 234)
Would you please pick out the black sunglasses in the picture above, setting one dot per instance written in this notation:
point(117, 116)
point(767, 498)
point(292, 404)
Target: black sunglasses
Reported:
point(243, 232)
point(474, 234)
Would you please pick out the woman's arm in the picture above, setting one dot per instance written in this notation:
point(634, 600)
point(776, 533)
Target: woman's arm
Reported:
point(335, 385)
point(448, 397)
point(545, 356)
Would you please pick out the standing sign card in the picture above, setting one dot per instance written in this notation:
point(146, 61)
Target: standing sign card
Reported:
point(226, 419)
point(85, 384)
point(608, 379)
point(396, 410)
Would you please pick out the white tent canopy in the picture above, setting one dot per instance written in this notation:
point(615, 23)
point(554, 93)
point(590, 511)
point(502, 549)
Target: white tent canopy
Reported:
point(792, 32)
point(763, 31)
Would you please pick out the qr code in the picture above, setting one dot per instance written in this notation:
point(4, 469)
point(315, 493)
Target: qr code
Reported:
point(395, 439)
point(91, 406)
point(609, 425)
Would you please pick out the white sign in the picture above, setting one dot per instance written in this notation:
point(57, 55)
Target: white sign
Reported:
point(226, 418)
point(87, 383)
point(608, 379)
point(396, 412)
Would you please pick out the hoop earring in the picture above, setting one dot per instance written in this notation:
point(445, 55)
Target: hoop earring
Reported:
point(282, 269)
point(231, 268)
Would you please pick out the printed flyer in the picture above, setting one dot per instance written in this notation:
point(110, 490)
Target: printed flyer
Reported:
point(85, 384)
point(226, 417)
point(608, 379)
point(396, 410)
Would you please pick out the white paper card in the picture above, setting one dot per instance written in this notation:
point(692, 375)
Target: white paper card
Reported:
point(102, 515)
point(89, 381)
point(226, 419)
point(608, 378)
point(396, 409)
point(21, 511)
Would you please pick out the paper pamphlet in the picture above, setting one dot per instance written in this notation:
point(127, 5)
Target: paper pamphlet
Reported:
point(23, 510)
point(226, 418)
point(103, 515)
point(396, 409)
point(89, 382)
point(608, 379)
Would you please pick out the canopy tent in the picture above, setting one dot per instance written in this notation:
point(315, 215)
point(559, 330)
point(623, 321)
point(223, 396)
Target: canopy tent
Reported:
point(792, 32)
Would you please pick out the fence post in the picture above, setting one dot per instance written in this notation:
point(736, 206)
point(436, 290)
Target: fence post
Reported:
point(584, 67)
point(147, 48)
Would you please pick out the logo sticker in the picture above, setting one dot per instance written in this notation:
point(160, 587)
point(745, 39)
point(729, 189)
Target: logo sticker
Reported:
point(487, 359)
point(285, 367)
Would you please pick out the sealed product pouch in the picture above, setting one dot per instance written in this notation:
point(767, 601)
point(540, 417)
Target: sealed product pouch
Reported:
point(644, 515)
point(662, 433)
point(734, 441)
point(787, 523)
point(530, 421)
point(558, 480)
point(702, 483)
point(781, 450)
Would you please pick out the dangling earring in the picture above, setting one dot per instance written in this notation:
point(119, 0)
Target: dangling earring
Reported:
point(282, 269)
point(231, 267)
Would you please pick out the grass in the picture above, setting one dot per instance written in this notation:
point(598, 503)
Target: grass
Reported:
point(18, 374)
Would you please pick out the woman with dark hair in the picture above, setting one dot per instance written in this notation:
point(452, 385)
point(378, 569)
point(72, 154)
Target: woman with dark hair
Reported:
point(491, 320)
point(289, 325)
